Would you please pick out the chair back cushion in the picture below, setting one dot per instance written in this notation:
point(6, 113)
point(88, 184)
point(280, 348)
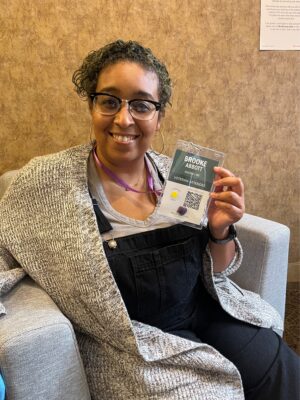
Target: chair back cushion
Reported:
point(6, 179)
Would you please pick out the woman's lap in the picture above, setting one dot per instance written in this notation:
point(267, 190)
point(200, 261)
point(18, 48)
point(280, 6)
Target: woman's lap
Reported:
point(253, 350)
point(269, 368)
point(282, 381)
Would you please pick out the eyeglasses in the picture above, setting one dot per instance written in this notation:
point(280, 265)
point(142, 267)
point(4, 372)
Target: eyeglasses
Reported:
point(107, 104)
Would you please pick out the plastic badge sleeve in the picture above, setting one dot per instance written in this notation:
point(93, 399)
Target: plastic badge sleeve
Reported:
point(189, 183)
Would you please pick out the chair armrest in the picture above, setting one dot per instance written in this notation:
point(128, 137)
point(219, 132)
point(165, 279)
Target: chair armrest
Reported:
point(39, 356)
point(265, 264)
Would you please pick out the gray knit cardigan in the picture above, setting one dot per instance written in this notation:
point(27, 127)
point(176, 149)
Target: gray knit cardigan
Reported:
point(49, 231)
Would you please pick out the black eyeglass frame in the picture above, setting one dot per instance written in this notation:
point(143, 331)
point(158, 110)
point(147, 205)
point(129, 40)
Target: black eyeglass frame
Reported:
point(155, 103)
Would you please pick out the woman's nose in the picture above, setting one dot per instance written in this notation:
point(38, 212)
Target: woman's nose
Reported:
point(123, 116)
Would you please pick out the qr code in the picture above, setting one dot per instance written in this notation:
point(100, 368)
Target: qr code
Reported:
point(192, 200)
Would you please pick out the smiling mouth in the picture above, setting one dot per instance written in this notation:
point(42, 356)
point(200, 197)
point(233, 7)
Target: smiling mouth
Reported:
point(123, 138)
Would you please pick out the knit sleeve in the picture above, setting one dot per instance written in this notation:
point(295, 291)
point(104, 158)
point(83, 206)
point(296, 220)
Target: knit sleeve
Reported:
point(230, 269)
point(235, 262)
point(211, 278)
point(10, 274)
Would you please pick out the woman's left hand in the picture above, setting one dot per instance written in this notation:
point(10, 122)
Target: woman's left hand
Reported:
point(227, 202)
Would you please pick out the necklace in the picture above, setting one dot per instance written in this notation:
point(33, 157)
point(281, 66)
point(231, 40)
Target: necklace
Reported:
point(120, 182)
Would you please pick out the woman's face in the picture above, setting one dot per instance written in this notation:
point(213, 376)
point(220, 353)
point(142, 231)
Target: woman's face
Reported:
point(121, 138)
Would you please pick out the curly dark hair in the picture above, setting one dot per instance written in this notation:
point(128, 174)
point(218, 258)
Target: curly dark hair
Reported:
point(85, 78)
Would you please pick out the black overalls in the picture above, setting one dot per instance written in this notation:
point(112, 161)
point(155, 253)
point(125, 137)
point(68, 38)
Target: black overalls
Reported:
point(159, 276)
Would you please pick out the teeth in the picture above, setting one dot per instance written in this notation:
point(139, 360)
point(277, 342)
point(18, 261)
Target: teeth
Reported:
point(124, 139)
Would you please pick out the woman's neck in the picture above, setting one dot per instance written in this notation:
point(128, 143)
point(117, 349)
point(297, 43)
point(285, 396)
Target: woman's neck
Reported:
point(133, 172)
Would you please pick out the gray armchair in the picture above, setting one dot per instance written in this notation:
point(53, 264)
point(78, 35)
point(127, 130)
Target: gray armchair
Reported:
point(39, 357)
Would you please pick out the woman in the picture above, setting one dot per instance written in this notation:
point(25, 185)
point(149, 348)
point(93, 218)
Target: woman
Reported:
point(154, 312)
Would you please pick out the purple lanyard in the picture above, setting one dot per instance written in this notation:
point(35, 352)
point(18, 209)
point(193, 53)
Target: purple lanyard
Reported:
point(120, 182)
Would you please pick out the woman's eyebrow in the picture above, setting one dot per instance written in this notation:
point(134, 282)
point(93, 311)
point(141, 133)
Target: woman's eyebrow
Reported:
point(144, 94)
point(138, 94)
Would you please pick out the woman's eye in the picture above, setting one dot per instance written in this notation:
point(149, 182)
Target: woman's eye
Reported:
point(141, 106)
point(108, 103)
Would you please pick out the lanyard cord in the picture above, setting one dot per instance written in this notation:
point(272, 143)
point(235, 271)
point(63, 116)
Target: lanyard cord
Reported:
point(120, 182)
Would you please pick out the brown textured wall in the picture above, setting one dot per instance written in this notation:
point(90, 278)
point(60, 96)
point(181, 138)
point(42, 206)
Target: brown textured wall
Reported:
point(227, 94)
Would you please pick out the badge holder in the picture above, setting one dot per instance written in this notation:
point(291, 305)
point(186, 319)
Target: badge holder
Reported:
point(189, 183)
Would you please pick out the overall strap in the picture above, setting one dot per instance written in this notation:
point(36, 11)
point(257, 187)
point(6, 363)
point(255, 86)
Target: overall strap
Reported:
point(103, 223)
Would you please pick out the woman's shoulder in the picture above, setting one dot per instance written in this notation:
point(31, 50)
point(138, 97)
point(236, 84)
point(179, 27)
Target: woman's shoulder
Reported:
point(48, 170)
point(61, 159)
